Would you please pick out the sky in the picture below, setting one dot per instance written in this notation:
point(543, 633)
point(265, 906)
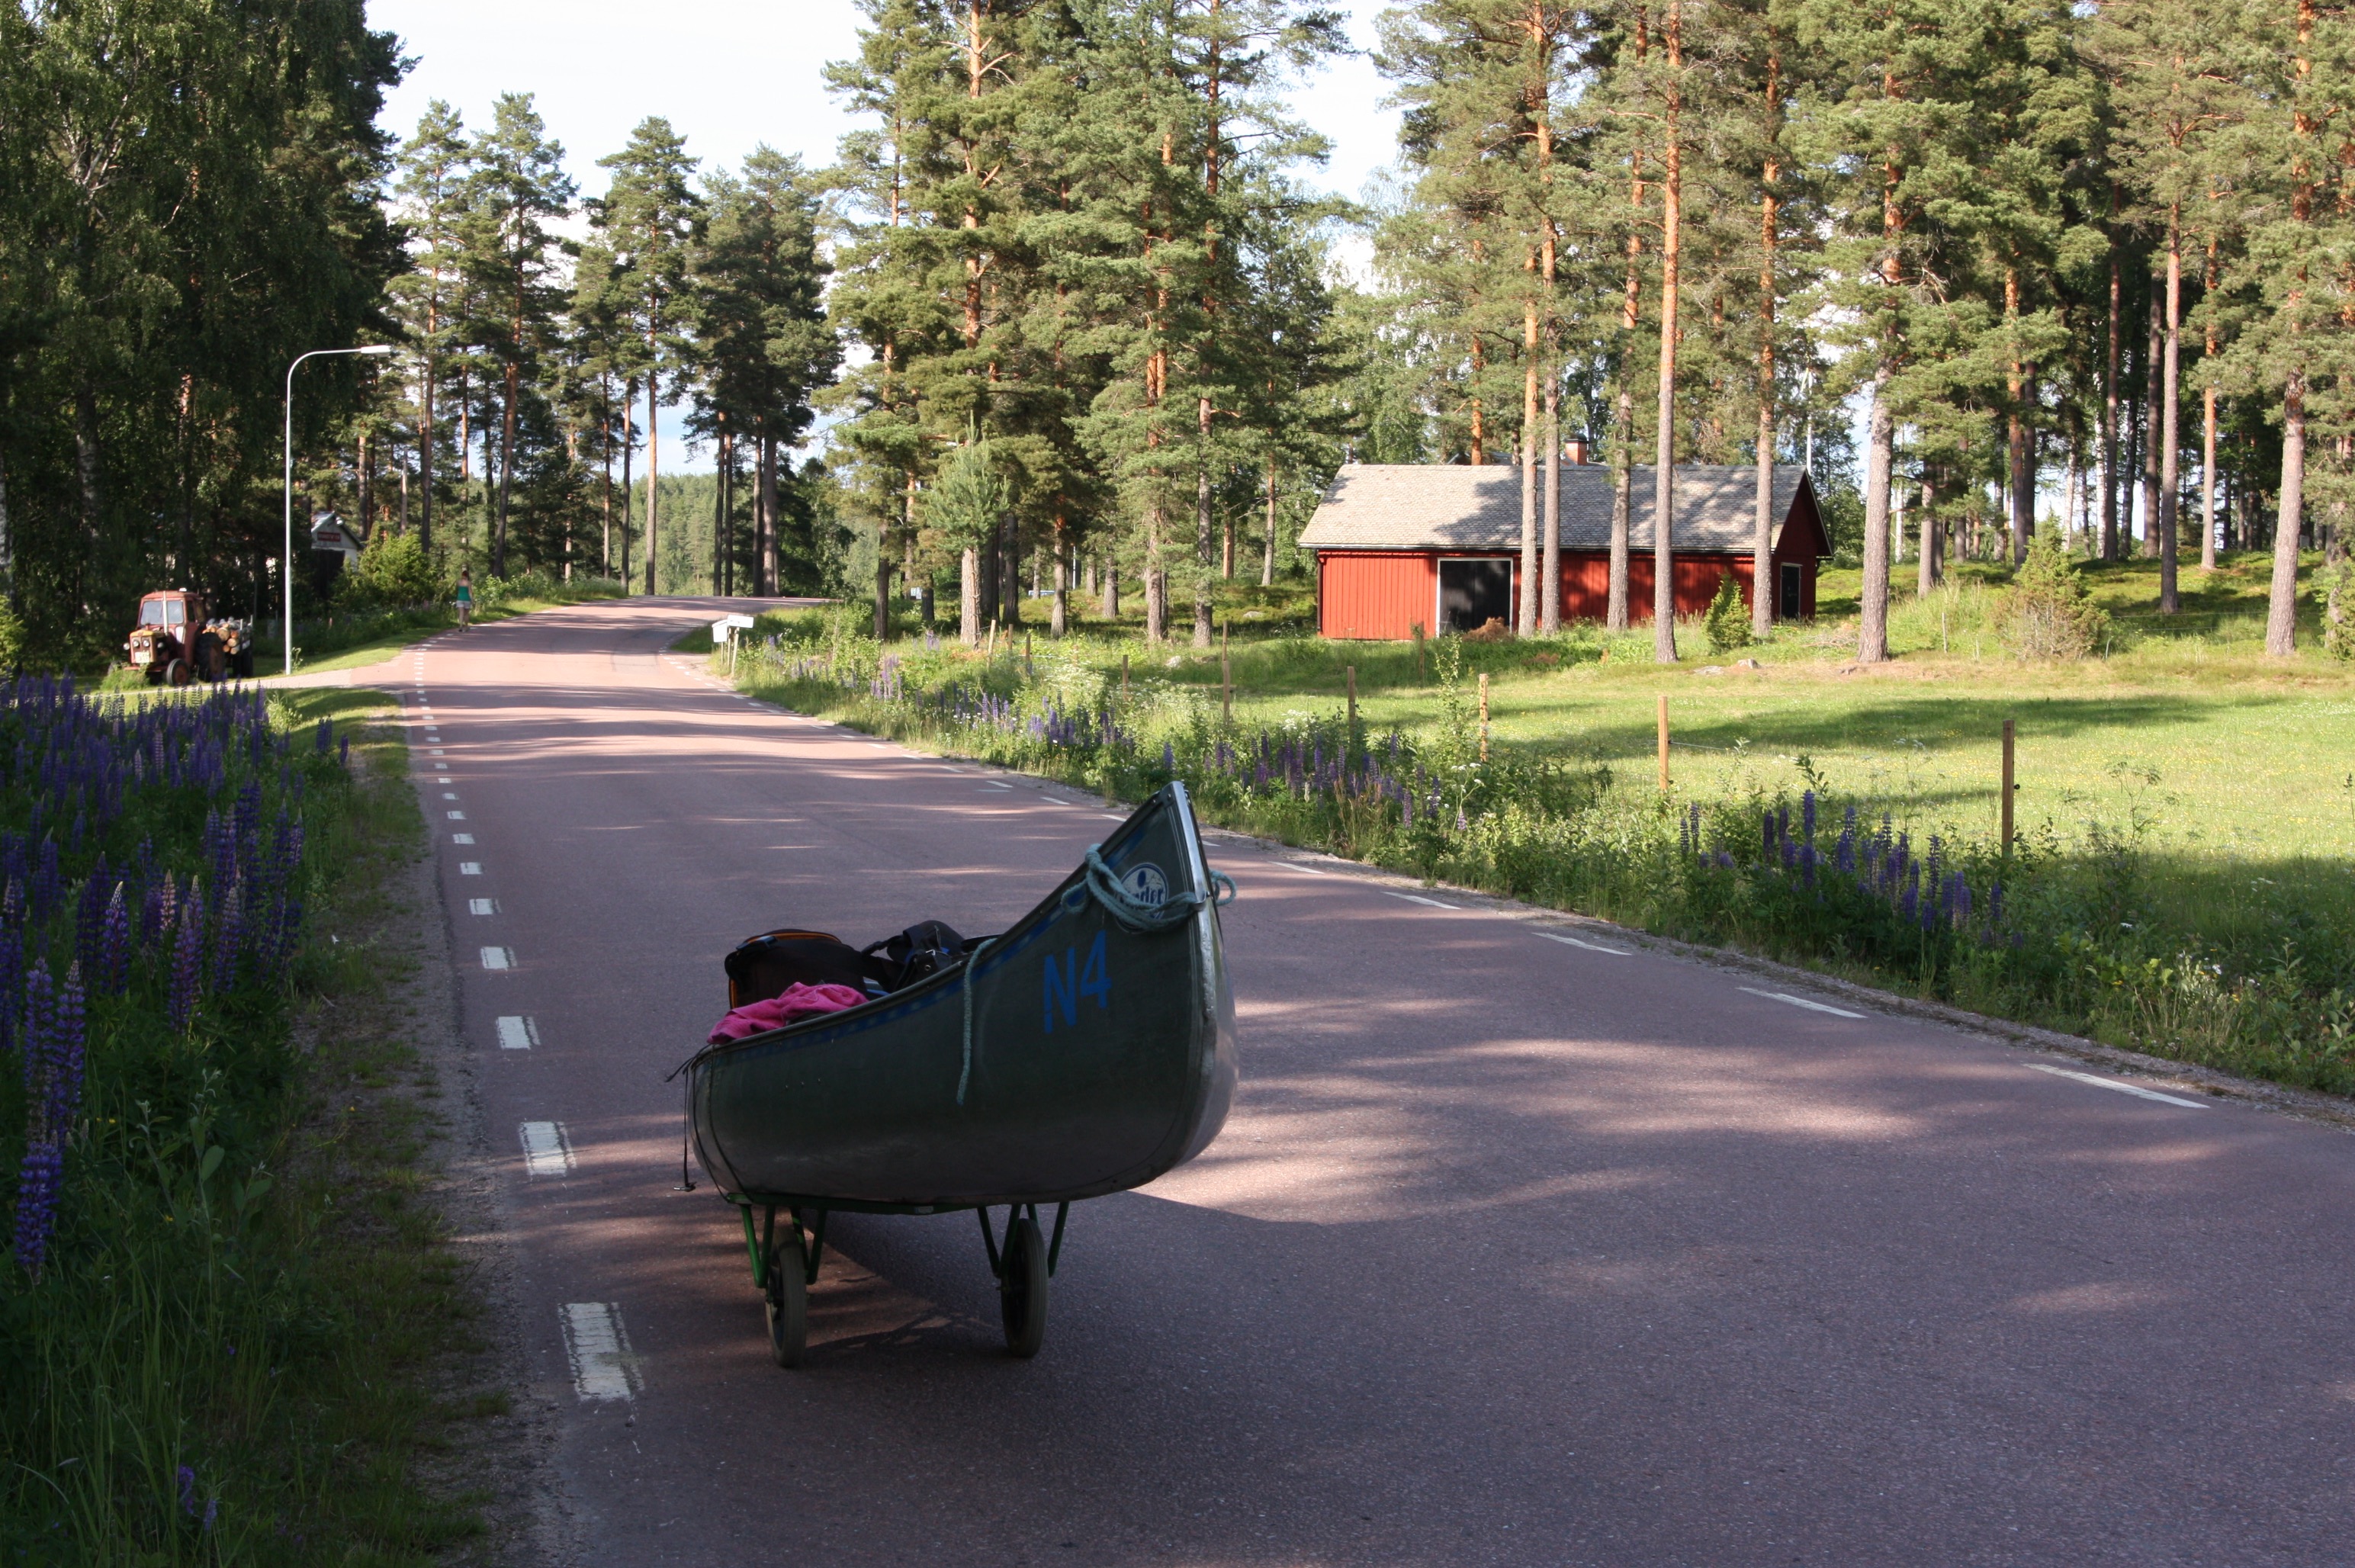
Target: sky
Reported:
point(729, 75)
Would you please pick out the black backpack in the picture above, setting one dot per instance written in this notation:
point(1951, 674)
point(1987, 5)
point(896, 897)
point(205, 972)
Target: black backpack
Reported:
point(926, 948)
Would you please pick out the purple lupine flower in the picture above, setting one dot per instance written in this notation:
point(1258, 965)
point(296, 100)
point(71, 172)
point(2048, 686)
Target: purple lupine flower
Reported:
point(1807, 816)
point(1962, 901)
point(187, 966)
point(112, 971)
point(38, 1180)
point(90, 913)
point(188, 1491)
point(327, 734)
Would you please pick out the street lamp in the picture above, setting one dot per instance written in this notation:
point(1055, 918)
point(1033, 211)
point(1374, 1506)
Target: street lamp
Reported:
point(374, 348)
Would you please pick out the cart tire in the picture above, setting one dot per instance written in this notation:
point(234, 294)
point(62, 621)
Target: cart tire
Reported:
point(788, 1306)
point(1022, 1288)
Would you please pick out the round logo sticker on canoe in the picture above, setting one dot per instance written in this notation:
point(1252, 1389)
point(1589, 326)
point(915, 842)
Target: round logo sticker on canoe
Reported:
point(1147, 885)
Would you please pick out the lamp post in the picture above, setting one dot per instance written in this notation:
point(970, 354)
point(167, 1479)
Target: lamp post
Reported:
point(287, 628)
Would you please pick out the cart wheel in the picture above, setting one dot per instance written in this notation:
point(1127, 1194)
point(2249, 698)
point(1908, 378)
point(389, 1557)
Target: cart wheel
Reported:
point(1022, 1288)
point(788, 1304)
point(176, 673)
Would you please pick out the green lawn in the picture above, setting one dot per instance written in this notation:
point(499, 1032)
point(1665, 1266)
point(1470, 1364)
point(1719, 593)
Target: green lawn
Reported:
point(2185, 723)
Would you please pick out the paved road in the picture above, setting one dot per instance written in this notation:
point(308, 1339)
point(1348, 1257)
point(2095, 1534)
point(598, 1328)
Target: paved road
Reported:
point(1512, 1252)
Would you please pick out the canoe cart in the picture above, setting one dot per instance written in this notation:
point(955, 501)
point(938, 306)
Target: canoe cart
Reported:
point(1084, 1051)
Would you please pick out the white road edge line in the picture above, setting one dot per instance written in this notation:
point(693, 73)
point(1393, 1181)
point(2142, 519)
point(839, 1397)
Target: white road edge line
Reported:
point(546, 1150)
point(598, 1348)
point(1801, 1002)
point(1417, 899)
point(1590, 946)
point(2121, 1088)
point(517, 1032)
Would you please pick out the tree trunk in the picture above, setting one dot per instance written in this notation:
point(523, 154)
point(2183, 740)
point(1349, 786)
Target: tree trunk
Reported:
point(2281, 608)
point(2170, 601)
point(1111, 585)
point(1267, 557)
point(722, 557)
point(2111, 472)
point(506, 470)
point(1526, 620)
point(1059, 620)
point(91, 509)
point(367, 474)
point(1927, 565)
point(882, 618)
point(425, 453)
point(1204, 537)
point(1157, 588)
point(653, 473)
point(1762, 546)
point(1873, 627)
point(2152, 413)
point(629, 492)
point(969, 596)
point(1009, 568)
point(1664, 474)
point(2207, 427)
point(1549, 564)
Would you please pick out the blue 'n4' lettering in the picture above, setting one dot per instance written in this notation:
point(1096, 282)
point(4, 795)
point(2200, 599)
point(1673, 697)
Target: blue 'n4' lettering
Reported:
point(1066, 982)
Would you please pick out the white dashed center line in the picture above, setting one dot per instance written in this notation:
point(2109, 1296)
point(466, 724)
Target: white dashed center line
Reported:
point(1590, 946)
point(459, 817)
point(598, 1348)
point(546, 1150)
point(1800, 1002)
point(518, 1033)
point(2134, 1089)
point(470, 868)
point(1417, 899)
point(481, 906)
point(460, 838)
point(496, 958)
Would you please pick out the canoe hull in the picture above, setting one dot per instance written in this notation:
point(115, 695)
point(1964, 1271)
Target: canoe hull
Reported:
point(1097, 1058)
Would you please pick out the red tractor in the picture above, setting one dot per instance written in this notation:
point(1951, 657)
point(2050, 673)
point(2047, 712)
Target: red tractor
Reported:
point(174, 643)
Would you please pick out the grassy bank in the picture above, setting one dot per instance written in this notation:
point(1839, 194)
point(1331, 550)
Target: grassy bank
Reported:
point(217, 1342)
point(2180, 885)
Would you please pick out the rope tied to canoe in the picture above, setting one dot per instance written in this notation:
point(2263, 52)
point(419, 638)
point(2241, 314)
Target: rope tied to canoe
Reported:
point(1137, 914)
point(1125, 908)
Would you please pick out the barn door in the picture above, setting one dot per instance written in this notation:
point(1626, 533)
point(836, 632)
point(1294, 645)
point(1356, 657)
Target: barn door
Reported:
point(1474, 592)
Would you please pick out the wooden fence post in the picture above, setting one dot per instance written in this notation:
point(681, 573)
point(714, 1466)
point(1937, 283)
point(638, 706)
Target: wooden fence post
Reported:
point(1417, 629)
point(1664, 742)
point(1484, 717)
point(2007, 785)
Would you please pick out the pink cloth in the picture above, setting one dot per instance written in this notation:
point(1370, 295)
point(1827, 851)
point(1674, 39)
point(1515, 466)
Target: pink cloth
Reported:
point(798, 1002)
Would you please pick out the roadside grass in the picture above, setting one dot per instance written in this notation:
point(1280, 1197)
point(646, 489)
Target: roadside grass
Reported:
point(239, 1350)
point(2186, 808)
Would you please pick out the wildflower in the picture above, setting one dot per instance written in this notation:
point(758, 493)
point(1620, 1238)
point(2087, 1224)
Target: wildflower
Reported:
point(229, 935)
point(112, 971)
point(187, 963)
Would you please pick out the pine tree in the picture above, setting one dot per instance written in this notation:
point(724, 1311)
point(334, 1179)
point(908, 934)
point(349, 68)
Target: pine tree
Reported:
point(516, 188)
point(649, 215)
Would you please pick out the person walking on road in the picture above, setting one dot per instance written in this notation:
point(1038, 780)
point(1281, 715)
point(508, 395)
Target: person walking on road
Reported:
point(465, 598)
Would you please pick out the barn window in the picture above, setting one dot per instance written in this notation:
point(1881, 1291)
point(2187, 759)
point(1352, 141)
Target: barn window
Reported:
point(1474, 592)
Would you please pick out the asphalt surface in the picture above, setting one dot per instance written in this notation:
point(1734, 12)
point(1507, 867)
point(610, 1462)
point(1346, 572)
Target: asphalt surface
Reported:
point(1513, 1251)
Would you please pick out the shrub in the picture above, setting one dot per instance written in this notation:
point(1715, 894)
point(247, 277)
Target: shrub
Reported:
point(2335, 588)
point(2047, 614)
point(393, 572)
point(1726, 622)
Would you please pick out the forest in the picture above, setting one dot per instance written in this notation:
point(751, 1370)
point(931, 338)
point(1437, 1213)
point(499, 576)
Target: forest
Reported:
point(1063, 316)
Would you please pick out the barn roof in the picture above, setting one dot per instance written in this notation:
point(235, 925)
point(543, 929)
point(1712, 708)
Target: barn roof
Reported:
point(1454, 506)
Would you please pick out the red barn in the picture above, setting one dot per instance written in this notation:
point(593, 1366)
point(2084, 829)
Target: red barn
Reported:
point(1439, 545)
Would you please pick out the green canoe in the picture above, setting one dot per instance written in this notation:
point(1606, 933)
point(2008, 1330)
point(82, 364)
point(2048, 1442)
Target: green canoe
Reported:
point(1086, 1050)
